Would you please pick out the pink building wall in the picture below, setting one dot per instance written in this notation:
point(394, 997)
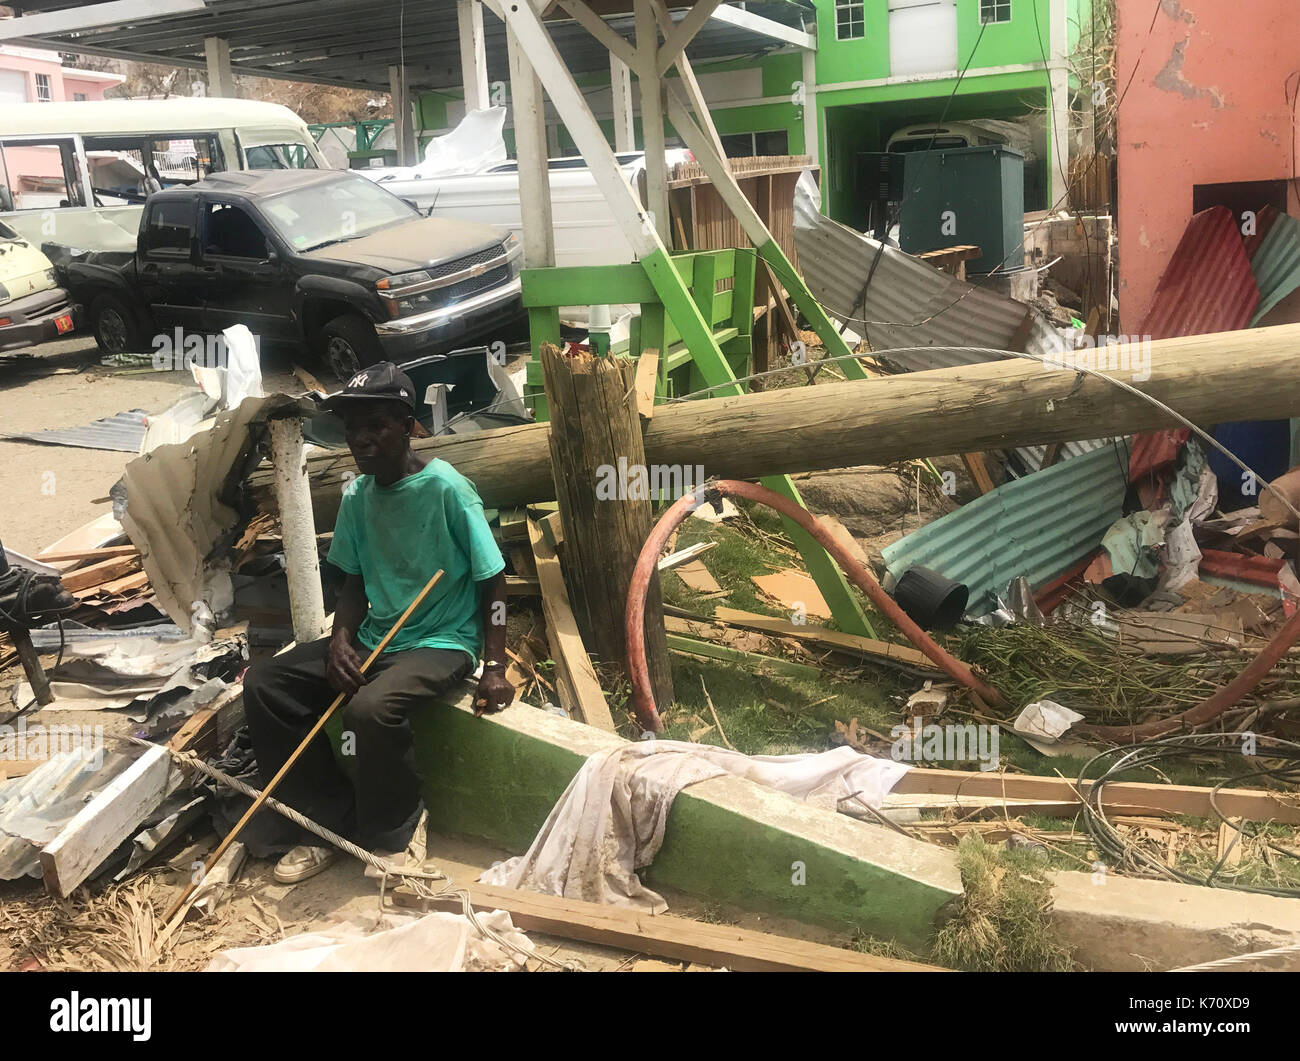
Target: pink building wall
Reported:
point(65, 82)
point(1208, 105)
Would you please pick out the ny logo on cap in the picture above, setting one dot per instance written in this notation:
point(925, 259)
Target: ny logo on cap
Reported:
point(359, 380)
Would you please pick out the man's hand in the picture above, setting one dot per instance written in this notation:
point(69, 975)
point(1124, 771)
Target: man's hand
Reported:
point(344, 667)
point(494, 692)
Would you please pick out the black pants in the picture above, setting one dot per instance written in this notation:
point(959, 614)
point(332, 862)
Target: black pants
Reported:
point(285, 696)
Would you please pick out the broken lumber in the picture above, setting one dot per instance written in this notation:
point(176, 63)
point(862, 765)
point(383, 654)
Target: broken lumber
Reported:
point(595, 430)
point(647, 377)
point(723, 946)
point(113, 816)
point(579, 688)
point(852, 644)
point(1244, 375)
point(1252, 803)
point(98, 574)
point(680, 640)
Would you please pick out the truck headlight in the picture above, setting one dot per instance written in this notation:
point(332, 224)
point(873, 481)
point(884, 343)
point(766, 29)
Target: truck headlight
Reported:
point(4, 293)
point(397, 280)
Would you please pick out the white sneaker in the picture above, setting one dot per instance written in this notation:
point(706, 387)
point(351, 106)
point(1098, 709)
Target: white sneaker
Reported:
point(302, 862)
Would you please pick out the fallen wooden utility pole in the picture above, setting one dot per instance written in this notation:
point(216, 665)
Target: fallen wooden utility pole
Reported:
point(595, 440)
point(1245, 375)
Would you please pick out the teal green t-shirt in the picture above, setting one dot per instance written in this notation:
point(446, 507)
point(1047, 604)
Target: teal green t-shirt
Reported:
point(396, 537)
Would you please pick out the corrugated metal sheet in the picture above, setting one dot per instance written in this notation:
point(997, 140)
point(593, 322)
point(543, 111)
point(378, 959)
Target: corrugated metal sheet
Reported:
point(175, 513)
point(1207, 286)
point(836, 261)
point(914, 303)
point(1038, 526)
point(1276, 264)
point(122, 432)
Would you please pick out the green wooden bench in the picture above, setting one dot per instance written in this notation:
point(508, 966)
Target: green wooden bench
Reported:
point(730, 316)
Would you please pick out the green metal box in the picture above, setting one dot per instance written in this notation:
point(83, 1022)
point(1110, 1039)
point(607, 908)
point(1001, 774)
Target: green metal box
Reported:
point(967, 195)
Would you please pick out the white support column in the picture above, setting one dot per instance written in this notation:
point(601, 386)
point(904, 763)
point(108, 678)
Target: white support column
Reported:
point(1058, 117)
point(620, 86)
point(298, 530)
point(473, 56)
point(221, 77)
point(650, 86)
point(529, 115)
point(812, 131)
point(403, 120)
point(686, 75)
point(525, 25)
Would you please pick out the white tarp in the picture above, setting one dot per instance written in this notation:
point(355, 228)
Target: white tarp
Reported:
point(437, 942)
point(610, 821)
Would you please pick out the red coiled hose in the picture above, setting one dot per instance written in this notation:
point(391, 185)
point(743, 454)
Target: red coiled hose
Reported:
point(643, 699)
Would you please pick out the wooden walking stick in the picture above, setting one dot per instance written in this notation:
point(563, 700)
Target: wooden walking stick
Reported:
point(279, 776)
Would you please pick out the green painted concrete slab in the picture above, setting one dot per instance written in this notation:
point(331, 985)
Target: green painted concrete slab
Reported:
point(728, 840)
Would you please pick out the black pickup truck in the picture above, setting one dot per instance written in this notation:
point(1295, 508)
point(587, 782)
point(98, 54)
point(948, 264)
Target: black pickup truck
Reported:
point(325, 259)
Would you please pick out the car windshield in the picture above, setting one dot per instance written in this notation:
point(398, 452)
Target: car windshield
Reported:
point(333, 211)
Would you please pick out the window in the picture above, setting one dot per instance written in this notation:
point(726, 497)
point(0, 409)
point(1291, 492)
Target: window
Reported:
point(78, 97)
point(41, 174)
point(849, 24)
point(279, 156)
point(230, 232)
point(747, 145)
point(995, 10)
point(170, 229)
point(332, 210)
point(43, 92)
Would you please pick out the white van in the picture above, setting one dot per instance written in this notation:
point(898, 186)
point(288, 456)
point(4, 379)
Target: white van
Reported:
point(76, 174)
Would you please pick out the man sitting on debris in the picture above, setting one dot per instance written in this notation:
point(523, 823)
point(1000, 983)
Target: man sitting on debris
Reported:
point(400, 521)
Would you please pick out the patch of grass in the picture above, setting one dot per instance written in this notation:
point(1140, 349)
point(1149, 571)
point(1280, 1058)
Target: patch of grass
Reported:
point(882, 948)
point(1001, 923)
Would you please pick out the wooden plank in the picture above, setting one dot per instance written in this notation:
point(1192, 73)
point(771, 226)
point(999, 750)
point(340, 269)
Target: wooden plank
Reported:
point(690, 646)
point(865, 646)
point(1252, 803)
point(647, 377)
point(741, 949)
point(978, 471)
point(683, 556)
point(97, 574)
point(106, 821)
point(203, 731)
point(522, 586)
point(105, 553)
point(579, 688)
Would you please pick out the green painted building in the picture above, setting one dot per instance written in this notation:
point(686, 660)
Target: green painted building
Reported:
point(881, 66)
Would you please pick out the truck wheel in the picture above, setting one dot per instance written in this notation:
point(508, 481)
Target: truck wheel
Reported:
point(117, 327)
point(348, 344)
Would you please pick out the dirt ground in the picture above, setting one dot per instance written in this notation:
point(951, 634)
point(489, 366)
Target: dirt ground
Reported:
point(48, 490)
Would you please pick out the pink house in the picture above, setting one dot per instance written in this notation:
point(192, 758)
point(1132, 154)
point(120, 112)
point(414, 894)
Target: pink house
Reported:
point(32, 75)
point(1209, 120)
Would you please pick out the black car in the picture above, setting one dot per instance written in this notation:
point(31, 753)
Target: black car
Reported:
point(322, 258)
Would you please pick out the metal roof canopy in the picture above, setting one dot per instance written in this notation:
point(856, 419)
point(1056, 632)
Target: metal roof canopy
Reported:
point(354, 42)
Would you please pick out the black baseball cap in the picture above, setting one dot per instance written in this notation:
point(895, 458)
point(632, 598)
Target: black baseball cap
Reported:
point(379, 382)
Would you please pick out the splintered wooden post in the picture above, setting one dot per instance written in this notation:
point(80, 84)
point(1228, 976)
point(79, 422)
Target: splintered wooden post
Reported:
point(599, 464)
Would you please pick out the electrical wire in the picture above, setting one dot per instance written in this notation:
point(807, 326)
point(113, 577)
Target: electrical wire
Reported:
point(1109, 840)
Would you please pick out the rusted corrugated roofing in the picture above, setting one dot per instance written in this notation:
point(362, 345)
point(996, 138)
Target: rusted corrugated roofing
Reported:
point(1208, 285)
